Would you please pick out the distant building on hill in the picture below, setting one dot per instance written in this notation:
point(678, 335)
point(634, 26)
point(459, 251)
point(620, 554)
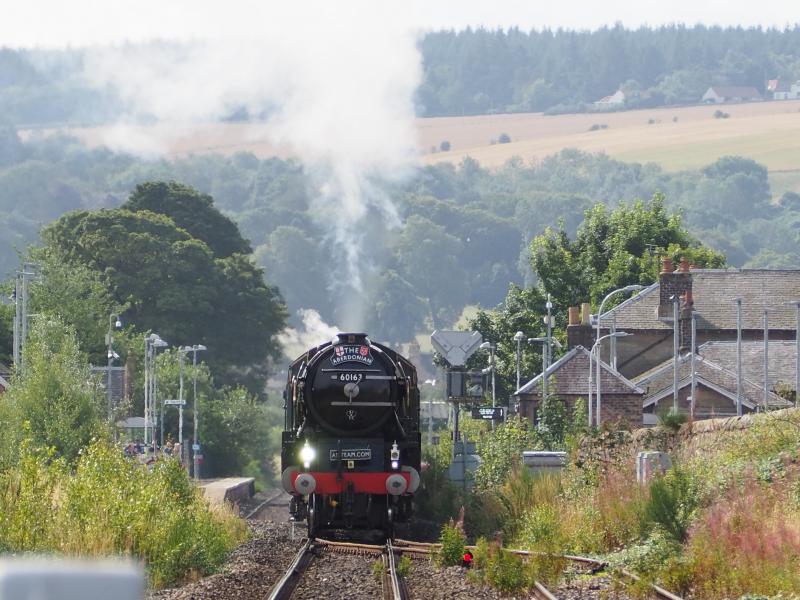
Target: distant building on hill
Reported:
point(614, 100)
point(781, 90)
point(717, 94)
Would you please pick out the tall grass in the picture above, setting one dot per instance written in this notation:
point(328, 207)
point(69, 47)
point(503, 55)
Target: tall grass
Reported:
point(111, 505)
point(747, 542)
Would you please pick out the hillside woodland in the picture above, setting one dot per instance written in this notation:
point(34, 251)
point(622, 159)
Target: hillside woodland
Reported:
point(476, 71)
point(464, 235)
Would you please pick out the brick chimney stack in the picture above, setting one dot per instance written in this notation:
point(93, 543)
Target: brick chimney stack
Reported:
point(579, 329)
point(672, 283)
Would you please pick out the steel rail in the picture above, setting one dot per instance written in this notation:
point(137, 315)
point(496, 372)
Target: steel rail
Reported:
point(266, 502)
point(658, 591)
point(396, 583)
point(542, 593)
point(285, 586)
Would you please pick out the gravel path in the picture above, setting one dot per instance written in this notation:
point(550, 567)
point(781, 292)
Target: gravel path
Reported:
point(426, 581)
point(337, 576)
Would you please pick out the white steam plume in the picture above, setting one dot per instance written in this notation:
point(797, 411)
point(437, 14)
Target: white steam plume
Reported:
point(338, 92)
point(313, 332)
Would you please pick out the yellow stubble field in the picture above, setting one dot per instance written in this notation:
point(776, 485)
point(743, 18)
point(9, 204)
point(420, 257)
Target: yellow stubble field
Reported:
point(676, 138)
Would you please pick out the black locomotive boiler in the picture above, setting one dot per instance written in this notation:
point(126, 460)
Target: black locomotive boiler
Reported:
point(350, 456)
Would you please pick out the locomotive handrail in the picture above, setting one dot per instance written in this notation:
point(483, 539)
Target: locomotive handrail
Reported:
point(360, 403)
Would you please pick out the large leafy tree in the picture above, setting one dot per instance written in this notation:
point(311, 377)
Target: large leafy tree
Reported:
point(429, 259)
point(522, 310)
point(613, 249)
point(192, 211)
point(172, 283)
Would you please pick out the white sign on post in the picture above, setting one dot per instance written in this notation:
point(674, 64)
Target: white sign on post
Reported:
point(175, 402)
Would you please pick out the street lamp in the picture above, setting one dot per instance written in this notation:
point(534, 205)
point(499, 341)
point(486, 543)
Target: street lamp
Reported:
point(151, 344)
point(196, 432)
point(113, 321)
point(491, 348)
point(628, 288)
point(518, 337)
point(616, 334)
point(796, 304)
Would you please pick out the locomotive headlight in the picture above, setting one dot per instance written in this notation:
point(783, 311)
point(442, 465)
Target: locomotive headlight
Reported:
point(307, 455)
point(395, 464)
point(394, 456)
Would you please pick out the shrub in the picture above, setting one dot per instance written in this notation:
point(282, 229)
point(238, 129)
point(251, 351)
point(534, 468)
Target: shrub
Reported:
point(522, 491)
point(673, 499)
point(719, 114)
point(403, 566)
point(598, 126)
point(500, 451)
point(509, 573)
point(444, 146)
point(111, 505)
point(670, 419)
point(503, 138)
point(504, 570)
point(453, 541)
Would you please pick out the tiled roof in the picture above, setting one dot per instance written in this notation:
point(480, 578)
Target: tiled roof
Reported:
point(714, 292)
point(571, 376)
point(658, 381)
point(782, 356)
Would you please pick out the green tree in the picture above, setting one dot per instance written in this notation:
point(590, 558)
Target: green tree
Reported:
point(396, 313)
point(296, 264)
point(75, 294)
point(171, 283)
point(522, 310)
point(192, 211)
point(501, 450)
point(429, 257)
point(54, 395)
point(613, 249)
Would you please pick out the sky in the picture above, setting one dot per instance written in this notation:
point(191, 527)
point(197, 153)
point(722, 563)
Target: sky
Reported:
point(56, 23)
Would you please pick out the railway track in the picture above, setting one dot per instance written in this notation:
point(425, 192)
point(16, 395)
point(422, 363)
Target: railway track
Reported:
point(392, 584)
point(269, 501)
point(540, 591)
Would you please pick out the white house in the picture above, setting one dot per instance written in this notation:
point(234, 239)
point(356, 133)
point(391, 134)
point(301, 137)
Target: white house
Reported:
point(783, 91)
point(717, 94)
point(614, 100)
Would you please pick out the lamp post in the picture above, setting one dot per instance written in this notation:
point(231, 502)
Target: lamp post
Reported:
point(182, 350)
point(676, 304)
point(766, 358)
point(739, 390)
point(596, 347)
point(624, 290)
point(152, 343)
point(491, 348)
point(796, 304)
point(113, 321)
point(518, 337)
point(196, 410)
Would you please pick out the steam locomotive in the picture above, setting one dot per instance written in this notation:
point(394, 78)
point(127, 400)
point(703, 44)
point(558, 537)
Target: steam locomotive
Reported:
point(350, 454)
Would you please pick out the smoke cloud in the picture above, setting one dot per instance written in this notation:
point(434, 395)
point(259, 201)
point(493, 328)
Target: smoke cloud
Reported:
point(338, 92)
point(313, 332)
